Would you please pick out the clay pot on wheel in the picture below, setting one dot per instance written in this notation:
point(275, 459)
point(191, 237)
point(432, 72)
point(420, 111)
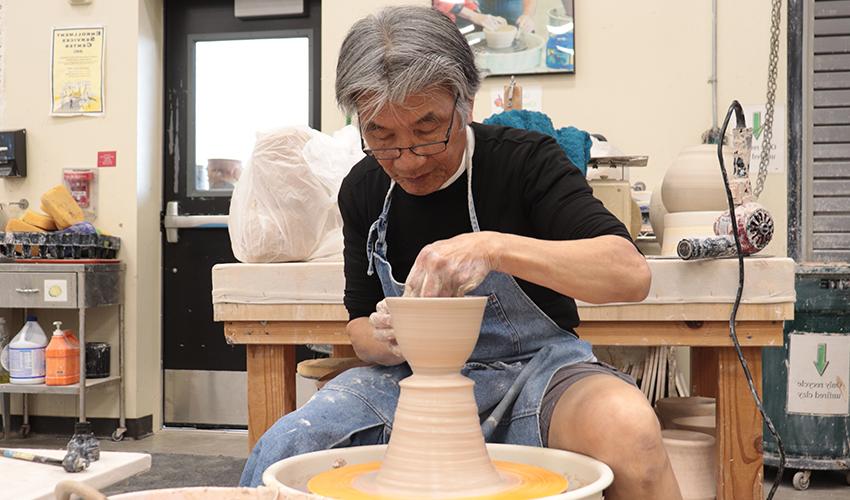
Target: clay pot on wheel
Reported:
point(501, 37)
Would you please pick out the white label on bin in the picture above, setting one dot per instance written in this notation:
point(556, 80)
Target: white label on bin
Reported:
point(818, 374)
point(26, 363)
point(56, 290)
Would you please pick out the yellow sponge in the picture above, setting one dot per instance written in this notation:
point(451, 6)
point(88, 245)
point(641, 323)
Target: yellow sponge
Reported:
point(17, 225)
point(39, 220)
point(61, 206)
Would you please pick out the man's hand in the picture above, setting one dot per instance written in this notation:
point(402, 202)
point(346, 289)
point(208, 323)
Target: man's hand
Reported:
point(525, 23)
point(487, 21)
point(382, 325)
point(453, 267)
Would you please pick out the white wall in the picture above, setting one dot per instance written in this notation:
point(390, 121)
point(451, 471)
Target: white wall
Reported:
point(641, 77)
point(129, 195)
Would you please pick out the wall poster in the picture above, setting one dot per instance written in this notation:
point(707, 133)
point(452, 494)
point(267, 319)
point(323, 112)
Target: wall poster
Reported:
point(516, 37)
point(76, 71)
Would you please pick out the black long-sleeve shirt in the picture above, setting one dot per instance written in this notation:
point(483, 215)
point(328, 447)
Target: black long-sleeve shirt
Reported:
point(522, 184)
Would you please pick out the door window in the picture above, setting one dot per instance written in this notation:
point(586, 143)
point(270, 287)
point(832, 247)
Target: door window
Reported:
point(241, 86)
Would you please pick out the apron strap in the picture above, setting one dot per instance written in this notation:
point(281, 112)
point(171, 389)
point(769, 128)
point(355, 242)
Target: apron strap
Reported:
point(377, 238)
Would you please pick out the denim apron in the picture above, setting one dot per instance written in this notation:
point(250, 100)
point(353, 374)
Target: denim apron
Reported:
point(518, 351)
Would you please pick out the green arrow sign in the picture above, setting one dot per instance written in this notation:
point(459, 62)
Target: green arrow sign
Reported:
point(757, 124)
point(821, 363)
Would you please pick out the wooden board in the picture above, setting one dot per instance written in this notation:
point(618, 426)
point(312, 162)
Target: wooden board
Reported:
point(279, 312)
point(27, 480)
point(681, 333)
point(619, 312)
point(286, 332)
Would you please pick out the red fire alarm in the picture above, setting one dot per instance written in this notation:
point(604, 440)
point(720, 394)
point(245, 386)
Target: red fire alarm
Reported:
point(107, 158)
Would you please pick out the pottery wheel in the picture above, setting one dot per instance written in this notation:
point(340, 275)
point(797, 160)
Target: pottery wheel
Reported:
point(520, 481)
point(518, 46)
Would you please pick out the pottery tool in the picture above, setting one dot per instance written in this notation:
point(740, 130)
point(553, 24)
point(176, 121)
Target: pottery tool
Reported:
point(72, 462)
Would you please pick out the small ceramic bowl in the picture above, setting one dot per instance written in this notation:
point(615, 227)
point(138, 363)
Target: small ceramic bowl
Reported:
point(500, 38)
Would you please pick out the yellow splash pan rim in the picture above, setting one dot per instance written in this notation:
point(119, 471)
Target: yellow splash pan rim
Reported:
point(533, 482)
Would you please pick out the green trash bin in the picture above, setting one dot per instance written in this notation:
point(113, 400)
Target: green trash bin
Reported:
point(812, 441)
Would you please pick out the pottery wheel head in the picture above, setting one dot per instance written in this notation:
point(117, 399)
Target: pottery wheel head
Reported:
point(436, 334)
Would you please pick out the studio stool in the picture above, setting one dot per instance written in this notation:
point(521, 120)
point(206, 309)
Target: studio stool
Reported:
point(323, 369)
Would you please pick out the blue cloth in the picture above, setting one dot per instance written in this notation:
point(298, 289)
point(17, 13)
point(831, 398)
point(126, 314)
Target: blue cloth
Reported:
point(575, 143)
point(518, 351)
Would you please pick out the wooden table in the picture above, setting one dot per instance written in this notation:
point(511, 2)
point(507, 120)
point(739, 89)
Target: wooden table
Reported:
point(23, 480)
point(271, 332)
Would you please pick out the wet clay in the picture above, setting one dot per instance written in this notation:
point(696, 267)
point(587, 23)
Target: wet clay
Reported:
point(437, 449)
point(436, 444)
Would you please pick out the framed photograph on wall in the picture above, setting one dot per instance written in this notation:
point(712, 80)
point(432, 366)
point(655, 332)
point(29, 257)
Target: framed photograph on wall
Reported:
point(516, 37)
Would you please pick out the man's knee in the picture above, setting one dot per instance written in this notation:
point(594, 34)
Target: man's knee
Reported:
point(610, 420)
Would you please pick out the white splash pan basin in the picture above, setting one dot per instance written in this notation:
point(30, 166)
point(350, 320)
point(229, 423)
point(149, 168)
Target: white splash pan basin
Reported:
point(587, 477)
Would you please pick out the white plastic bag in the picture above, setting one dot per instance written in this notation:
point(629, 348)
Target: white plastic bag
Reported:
point(284, 207)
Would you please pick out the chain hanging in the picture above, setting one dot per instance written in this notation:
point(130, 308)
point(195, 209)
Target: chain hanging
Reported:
point(772, 68)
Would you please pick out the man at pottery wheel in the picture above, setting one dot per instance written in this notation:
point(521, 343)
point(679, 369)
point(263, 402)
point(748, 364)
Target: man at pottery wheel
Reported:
point(441, 206)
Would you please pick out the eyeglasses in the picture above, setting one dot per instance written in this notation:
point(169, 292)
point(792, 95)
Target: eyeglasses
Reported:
point(424, 149)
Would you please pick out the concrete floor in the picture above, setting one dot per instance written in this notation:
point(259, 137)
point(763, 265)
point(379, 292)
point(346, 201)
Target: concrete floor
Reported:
point(178, 441)
point(825, 485)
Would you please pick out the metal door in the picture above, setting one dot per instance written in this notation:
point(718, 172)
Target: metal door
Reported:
point(225, 79)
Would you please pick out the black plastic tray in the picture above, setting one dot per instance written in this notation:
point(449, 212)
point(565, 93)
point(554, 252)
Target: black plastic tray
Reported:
point(58, 245)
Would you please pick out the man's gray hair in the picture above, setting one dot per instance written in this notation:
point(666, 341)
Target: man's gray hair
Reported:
point(401, 51)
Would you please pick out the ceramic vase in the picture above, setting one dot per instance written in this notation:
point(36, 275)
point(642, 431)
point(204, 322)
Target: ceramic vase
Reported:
point(697, 423)
point(436, 448)
point(669, 408)
point(693, 182)
point(678, 225)
point(693, 459)
point(657, 211)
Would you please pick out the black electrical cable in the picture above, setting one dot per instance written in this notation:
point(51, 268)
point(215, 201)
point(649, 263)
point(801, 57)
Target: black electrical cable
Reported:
point(739, 117)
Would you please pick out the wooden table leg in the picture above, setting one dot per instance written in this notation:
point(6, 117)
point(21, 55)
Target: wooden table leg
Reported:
point(739, 427)
point(704, 371)
point(271, 387)
point(343, 351)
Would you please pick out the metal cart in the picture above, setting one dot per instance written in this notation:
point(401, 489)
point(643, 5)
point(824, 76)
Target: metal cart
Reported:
point(72, 285)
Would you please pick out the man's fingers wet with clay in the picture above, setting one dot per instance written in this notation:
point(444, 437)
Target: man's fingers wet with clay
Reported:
point(453, 267)
point(381, 322)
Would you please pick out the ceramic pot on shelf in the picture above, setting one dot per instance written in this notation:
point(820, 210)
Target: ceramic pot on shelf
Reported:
point(697, 423)
point(693, 459)
point(678, 225)
point(657, 211)
point(693, 182)
point(674, 407)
